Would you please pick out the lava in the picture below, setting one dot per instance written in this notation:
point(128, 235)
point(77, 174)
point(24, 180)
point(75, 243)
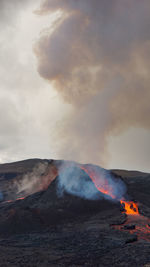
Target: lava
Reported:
point(130, 207)
point(141, 223)
point(10, 200)
point(101, 184)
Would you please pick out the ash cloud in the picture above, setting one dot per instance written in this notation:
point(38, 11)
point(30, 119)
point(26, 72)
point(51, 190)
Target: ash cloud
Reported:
point(98, 60)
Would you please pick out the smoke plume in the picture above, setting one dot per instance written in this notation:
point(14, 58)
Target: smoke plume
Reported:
point(98, 59)
point(74, 181)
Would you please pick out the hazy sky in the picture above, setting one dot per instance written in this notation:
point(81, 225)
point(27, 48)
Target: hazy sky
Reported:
point(74, 81)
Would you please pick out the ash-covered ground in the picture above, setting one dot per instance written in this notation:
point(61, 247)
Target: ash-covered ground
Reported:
point(41, 225)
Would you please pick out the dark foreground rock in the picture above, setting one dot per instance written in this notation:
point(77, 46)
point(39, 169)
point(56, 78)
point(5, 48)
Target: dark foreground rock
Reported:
point(129, 227)
point(90, 243)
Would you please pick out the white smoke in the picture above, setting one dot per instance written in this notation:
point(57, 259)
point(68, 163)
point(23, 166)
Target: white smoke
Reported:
point(72, 181)
point(37, 180)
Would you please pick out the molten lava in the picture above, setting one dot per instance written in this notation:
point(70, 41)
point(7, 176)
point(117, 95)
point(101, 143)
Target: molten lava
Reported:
point(101, 184)
point(10, 201)
point(131, 208)
point(141, 223)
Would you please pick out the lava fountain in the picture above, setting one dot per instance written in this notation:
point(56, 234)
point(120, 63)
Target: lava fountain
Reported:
point(102, 184)
point(130, 207)
point(135, 223)
point(106, 187)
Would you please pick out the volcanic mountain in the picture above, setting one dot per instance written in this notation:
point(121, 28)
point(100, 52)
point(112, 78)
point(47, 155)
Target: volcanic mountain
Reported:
point(61, 213)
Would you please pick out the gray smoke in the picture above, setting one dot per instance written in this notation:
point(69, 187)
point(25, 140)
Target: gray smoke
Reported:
point(98, 59)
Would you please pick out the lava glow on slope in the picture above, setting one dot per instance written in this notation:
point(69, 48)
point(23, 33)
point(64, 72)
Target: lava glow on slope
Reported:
point(141, 226)
point(141, 223)
point(106, 188)
point(9, 201)
point(103, 186)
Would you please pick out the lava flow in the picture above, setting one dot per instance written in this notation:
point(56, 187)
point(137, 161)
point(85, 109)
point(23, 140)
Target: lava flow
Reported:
point(135, 223)
point(101, 184)
point(10, 200)
point(130, 207)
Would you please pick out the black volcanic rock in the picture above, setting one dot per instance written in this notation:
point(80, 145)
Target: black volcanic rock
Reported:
point(129, 227)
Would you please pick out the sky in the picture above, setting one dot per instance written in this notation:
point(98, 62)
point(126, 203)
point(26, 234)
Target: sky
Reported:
point(74, 81)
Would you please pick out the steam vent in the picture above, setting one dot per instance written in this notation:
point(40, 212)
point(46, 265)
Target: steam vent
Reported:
point(61, 213)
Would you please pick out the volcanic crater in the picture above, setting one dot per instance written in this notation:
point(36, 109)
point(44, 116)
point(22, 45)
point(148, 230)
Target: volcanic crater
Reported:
point(61, 213)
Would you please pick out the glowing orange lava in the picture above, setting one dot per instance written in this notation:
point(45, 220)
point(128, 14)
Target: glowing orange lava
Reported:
point(142, 228)
point(130, 207)
point(101, 184)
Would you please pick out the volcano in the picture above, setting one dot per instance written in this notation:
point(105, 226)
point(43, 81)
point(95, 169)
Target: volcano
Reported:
point(61, 213)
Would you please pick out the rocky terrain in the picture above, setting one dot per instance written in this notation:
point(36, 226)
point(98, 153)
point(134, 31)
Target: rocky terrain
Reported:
point(41, 225)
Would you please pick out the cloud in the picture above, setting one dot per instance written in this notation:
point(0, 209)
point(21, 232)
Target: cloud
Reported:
point(9, 11)
point(26, 113)
point(98, 60)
